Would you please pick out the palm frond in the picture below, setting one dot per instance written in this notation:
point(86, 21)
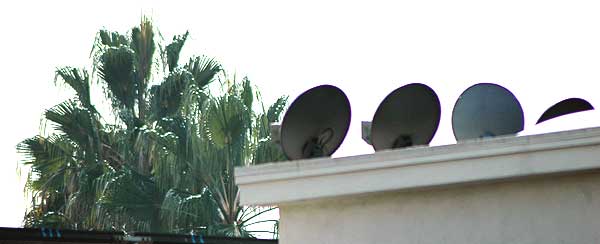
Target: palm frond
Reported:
point(203, 70)
point(78, 79)
point(116, 69)
point(142, 43)
point(126, 198)
point(247, 93)
point(174, 49)
point(184, 212)
point(111, 39)
point(106, 39)
point(49, 158)
point(166, 98)
point(74, 122)
point(227, 122)
point(275, 110)
point(266, 151)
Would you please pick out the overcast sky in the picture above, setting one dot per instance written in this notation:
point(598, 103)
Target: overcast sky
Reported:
point(543, 51)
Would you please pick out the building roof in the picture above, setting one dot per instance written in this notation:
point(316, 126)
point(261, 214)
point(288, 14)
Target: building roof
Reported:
point(491, 159)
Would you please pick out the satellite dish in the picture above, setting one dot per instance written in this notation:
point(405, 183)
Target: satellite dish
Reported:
point(575, 121)
point(564, 107)
point(408, 116)
point(486, 110)
point(316, 123)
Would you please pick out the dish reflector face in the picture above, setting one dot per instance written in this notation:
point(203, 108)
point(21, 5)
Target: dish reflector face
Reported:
point(486, 110)
point(564, 107)
point(320, 115)
point(408, 116)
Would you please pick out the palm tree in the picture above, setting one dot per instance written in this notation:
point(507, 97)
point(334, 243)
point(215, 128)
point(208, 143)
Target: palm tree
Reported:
point(166, 163)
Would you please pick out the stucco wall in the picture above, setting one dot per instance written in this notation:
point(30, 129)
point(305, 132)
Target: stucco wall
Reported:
point(548, 209)
point(528, 189)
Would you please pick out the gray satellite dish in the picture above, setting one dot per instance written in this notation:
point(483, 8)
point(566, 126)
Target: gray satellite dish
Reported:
point(486, 110)
point(316, 123)
point(564, 107)
point(408, 116)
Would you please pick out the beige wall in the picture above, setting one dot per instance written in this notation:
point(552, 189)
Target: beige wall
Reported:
point(527, 189)
point(549, 209)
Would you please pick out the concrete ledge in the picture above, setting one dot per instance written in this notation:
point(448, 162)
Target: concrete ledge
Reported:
point(419, 167)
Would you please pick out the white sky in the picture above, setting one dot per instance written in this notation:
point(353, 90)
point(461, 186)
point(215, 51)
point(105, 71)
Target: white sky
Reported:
point(543, 51)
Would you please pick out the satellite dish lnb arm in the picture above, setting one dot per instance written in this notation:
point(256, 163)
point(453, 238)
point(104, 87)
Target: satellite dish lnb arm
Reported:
point(366, 132)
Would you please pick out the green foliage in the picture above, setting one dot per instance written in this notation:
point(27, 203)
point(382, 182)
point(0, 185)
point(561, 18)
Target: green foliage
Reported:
point(79, 80)
point(142, 43)
point(174, 49)
point(116, 69)
point(166, 164)
point(111, 39)
point(203, 69)
point(167, 97)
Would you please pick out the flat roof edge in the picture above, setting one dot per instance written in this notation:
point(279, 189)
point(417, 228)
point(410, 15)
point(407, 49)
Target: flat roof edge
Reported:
point(470, 161)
